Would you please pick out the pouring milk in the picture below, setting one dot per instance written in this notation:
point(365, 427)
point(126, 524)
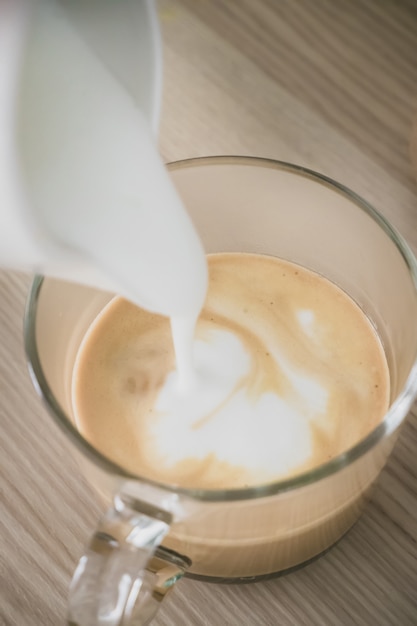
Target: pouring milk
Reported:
point(88, 197)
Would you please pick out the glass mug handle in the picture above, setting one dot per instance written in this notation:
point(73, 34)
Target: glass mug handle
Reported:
point(124, 575)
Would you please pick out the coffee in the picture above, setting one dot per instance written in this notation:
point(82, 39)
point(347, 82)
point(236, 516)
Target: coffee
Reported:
point(289, 373)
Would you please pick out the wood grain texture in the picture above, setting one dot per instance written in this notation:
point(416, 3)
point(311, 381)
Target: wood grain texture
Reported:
point(329, 84)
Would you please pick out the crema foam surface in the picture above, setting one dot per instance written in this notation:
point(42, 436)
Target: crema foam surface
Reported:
point(288, 373)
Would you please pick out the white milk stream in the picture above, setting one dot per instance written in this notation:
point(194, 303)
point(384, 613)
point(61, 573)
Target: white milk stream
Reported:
point(98, 187)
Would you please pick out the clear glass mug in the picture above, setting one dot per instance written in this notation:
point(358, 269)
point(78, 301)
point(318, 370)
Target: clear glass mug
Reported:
point(153, 533)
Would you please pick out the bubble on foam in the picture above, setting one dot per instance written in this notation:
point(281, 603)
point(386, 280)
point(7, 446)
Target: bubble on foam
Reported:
point(268, 435)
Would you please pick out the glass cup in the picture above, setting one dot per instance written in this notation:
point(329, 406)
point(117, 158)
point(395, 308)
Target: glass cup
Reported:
point(152, 533)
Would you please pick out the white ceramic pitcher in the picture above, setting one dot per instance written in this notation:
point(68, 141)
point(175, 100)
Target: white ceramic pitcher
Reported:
point(48, 97)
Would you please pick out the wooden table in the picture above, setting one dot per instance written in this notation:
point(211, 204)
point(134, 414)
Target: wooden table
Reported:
point(328, 84)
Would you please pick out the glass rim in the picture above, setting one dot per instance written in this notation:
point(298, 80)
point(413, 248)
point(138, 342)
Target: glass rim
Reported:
point(392, 419)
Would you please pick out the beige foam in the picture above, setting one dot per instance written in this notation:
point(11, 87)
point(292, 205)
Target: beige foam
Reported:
point(288, 318)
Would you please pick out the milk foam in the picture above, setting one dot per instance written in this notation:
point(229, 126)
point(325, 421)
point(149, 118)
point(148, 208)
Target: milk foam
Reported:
point(287, 372)
point(218, 417)
point(306, 319)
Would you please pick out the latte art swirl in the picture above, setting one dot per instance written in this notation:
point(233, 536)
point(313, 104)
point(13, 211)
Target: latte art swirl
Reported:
point(289, 373)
